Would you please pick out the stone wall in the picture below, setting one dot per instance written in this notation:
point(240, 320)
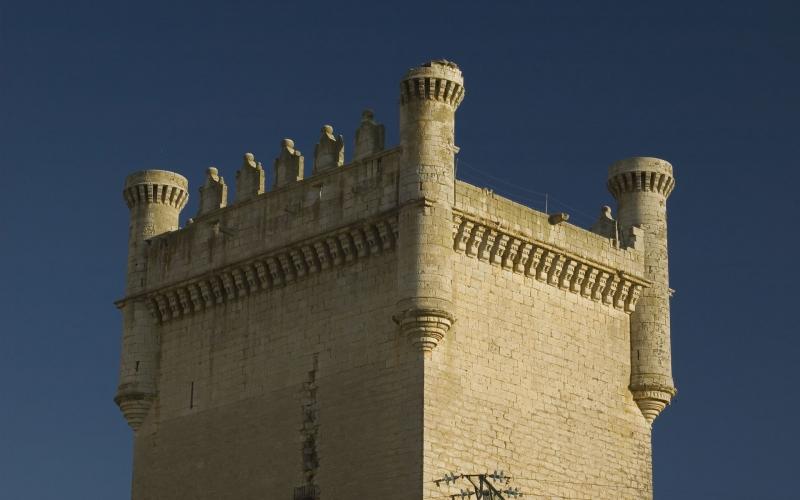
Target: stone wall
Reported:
point(237, 384)
point(533, 377)
point(293, 214)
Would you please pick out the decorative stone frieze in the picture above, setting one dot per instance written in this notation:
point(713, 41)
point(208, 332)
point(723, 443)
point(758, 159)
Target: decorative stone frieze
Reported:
point(548, 264)
point(437, 80)
point(425, 328)
point(279, 268)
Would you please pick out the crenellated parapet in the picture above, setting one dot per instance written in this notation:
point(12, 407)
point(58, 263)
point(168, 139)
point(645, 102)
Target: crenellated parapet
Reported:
point(316, 205)
point(289, 169)
point(645, 174)
point(219, 235)
point(438, 80)
point(156, 186)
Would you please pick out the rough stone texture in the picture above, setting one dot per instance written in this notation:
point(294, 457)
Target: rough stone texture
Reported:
point(329, 152)
point(214, 193)
point(641, 187)
point(358, 333)
point(288, 165)
point(369, 136)
point(155, 199)
point(249, 179)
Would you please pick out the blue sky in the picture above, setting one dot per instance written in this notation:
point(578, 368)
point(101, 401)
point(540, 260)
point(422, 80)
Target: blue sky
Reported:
point(556, 91)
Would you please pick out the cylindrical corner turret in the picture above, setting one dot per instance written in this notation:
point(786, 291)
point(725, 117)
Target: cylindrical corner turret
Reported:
point(429, 97)
point(155, 199)
point(641, 186)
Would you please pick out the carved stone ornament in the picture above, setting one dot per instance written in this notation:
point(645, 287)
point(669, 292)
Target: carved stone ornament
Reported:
point(288, 164)
point(605, 225)
point(329, 152)
point(370, 136)
point(214, 193)
point(249, 179)
point(135, 407)
point(652, 400)
point(425, 328)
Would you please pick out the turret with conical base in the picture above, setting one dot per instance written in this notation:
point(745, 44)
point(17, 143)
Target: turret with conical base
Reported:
point(429, 97)
point(641, 187)
point(155, 199)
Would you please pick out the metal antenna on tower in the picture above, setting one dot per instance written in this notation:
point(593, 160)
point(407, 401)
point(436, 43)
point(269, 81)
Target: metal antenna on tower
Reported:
point(483, 486)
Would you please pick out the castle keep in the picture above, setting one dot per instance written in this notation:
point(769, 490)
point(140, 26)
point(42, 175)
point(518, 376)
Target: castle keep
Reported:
point(362, 331)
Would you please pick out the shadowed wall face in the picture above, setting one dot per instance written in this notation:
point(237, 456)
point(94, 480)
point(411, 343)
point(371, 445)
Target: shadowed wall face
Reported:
point(303, 389)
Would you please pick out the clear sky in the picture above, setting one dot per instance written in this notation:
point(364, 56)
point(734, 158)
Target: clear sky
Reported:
point(556, 91)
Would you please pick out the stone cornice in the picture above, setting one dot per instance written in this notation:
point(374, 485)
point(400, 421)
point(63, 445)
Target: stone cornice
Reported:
point(546, 263)
point(277, 268)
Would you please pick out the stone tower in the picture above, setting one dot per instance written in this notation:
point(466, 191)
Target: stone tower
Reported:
point(360, 331)
point(155, 199)
point(429, 96)
point(641, 187)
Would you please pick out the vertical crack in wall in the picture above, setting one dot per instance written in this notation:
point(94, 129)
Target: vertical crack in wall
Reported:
point(310, 432)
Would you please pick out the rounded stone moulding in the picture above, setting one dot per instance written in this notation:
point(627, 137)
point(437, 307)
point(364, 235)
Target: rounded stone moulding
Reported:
point(425, 328)
point(436, 80)
point(135, 411)
point(640, 173)
point(652, 402)
point(156, 186)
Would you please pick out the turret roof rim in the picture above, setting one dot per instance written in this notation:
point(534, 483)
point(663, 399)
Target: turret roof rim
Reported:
point(448, 70)
point(155, 170)
point(636, 164)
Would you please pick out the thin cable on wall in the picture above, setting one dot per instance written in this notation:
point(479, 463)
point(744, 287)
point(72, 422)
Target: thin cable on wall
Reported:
point(516, 192)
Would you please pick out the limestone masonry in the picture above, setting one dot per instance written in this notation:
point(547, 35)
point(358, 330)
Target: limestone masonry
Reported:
point(360, 332)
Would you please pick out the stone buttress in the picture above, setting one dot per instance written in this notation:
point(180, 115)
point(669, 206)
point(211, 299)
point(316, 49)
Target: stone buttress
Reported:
point(429, 97)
